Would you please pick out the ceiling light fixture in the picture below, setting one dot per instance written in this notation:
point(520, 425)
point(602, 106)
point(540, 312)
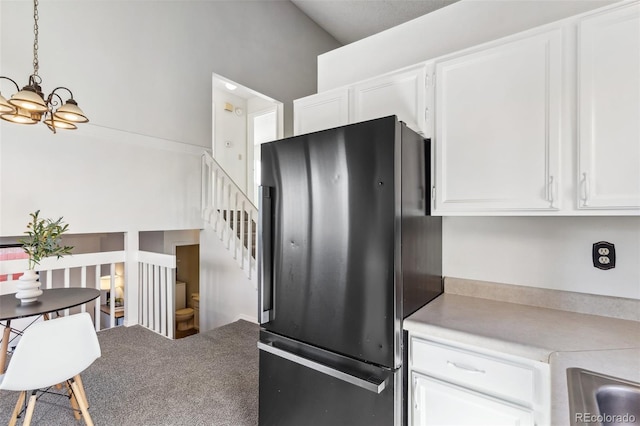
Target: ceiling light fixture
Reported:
point(29, 106)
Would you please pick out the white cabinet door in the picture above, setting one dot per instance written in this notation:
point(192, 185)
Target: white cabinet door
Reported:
point(400, 93)
point(322, 111)
point(609, 109)
point(497, 127)
point(440, 403)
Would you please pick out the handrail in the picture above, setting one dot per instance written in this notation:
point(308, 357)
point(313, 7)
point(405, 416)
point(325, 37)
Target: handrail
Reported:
point(211, 162)
point(231, 214)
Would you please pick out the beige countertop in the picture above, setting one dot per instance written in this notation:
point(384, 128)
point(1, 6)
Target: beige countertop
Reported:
point(526, 331)
point(476, 313)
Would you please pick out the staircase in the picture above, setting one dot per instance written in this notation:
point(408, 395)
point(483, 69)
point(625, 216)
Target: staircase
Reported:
point(228, 211)
point(235, 216)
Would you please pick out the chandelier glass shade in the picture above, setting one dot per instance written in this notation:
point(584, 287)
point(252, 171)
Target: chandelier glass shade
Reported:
point(30, 106)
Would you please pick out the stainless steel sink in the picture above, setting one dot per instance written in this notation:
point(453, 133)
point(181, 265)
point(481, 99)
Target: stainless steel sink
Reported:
point(597, 399)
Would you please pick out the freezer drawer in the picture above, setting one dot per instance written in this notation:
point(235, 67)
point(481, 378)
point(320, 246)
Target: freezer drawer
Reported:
point(302, 386)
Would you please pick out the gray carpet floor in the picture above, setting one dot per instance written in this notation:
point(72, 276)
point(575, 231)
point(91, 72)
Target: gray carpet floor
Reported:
point(145, 379)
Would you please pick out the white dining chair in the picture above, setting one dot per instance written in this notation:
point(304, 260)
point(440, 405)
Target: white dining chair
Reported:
point(49, 353)
point(11, 331)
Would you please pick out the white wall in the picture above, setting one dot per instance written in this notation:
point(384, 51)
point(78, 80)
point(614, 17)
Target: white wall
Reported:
point(100, 181)
point(230, 139)
point(152, 241)
point(454, 27)
point(180, 238)
point(229, 294)
point(547, 252)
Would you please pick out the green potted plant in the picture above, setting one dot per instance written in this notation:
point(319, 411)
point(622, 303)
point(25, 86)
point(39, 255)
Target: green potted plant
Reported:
point(43, 240)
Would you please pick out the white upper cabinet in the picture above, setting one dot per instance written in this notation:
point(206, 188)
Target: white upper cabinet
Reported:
point(400, 93)
point(609, 109)
point(497, 127)
point(543, 122)
point(322, 111)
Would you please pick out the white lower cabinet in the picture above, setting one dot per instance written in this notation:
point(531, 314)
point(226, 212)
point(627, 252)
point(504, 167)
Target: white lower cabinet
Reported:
point(453, 384)
point(443, 403)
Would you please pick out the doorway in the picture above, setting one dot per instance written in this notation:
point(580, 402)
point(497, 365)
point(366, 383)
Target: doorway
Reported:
point(188, 286)
point(261, 128)
point(242, 119)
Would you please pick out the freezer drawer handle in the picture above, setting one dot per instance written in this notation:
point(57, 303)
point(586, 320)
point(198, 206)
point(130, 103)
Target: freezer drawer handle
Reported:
point(265, 280)
point(376, 387)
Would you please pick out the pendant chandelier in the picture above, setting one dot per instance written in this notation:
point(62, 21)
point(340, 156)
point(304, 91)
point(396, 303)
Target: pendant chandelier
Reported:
point(29, 105)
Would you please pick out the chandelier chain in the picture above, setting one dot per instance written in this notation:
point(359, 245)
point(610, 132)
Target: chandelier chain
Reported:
point(36, 64)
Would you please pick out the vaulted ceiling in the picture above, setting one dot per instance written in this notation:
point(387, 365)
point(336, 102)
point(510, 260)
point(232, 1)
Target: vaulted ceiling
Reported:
point(351, 20)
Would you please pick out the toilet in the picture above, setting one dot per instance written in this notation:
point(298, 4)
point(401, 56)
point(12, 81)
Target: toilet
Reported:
point(184, 315)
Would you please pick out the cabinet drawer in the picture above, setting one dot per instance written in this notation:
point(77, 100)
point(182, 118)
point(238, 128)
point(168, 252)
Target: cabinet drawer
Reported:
point(503, 378)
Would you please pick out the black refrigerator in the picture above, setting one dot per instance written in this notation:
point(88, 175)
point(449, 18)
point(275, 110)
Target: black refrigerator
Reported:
point(347, 250)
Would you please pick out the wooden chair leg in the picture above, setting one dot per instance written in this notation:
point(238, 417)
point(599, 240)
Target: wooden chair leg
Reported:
point(73, 400)
point(83, 394)
point(4, 346)
point(16, 410)
point(83, 406)
point(30, 408)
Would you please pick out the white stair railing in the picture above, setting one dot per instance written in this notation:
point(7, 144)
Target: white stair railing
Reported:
point(156, 292)
point(78, 270)
point(230, 213)
point(155, 288)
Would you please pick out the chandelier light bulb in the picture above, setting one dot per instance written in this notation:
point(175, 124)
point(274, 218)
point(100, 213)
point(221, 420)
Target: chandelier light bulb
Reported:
point(28, 99)
point(53, 124)
point(21, 116)
point(70, 111)
point(5, 106)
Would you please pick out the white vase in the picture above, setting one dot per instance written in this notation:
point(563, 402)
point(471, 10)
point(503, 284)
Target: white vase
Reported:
point(28, 287)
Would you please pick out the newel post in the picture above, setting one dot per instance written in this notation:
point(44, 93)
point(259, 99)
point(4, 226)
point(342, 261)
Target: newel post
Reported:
point(131, 303)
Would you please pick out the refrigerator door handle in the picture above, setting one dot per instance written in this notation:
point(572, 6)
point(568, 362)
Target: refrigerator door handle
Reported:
point(265, 276)
point(376, 387)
